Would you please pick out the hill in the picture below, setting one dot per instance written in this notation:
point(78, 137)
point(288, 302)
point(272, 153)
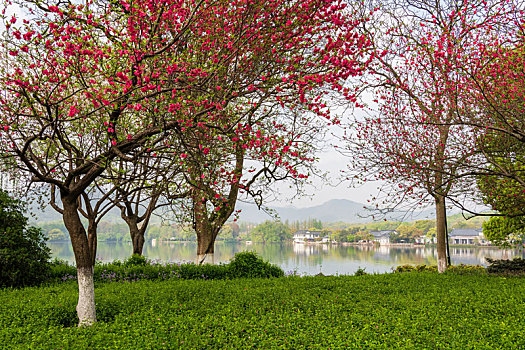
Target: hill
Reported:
point(334, 210)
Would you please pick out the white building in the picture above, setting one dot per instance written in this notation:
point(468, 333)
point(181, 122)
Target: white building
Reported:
point(425, 240)
point(467, 236)
point(382, 237)
point(304, 236)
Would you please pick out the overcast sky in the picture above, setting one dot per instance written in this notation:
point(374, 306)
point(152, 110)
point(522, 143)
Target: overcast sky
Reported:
point(331, 162)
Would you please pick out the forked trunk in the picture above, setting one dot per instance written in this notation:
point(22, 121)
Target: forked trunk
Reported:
point(136, 233)
point(208, 224)
point(92, 239)
point(205, 247)
point(206, 232)
point(138, 244)
point(84, 260)
point(441, 234)
point(137, 238)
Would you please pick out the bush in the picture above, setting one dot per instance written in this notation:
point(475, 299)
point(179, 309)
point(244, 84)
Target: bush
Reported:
point(456, 269)
point(24, 255)
point(136, 268)
point(243, 265)
point(360, 272)
point(249, 264)
point(60, 270)
point(117, 272)
point(462, 269)
point(415, 268)
point(405, 268)
point(515, 266)
point(135, 260)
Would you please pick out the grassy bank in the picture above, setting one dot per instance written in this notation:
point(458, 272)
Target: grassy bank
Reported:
point(411, 310)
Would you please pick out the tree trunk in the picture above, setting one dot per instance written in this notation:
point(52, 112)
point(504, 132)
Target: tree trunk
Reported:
point(92, 239)
point(137, 237)
point(136, 233)
point(79, 240)
point(205, 247)
point(86, 297)
point(206, 233)
point(441, 215)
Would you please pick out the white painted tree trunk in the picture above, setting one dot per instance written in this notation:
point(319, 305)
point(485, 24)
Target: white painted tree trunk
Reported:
point(86, 297)
point(442, 264)
point(206, 258)
point(441, 234)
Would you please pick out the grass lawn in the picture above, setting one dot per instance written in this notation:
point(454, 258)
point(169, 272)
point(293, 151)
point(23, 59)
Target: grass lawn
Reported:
point(390, 311)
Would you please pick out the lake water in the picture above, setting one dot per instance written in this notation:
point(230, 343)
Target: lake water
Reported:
point(304, 259)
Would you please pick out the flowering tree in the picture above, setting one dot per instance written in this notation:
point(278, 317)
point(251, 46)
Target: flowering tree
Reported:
point(413, 141)
point(67, 76)
point(243, 161)
point(252, 84)
point(78, 79)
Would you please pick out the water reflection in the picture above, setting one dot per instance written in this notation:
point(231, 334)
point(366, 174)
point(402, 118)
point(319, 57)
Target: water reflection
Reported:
point(302, 258)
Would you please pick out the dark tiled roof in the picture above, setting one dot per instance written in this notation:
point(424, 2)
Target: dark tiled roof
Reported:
point(385, 233)
point(302, 232)
point(465, 232)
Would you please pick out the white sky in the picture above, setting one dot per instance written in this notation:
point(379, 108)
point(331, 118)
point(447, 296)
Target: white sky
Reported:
point(331, 162)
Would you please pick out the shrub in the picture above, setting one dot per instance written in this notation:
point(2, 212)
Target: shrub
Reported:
point(135, 260)
point(404, 268)
point(122, 272)
point(462, 269)
point(360, 272)
point(205, 271)
point(514, 266)
point(249, 264)
point(416, 268)
point(457, 269)
point(246, 264)
point(24, 255)
point(60, 270)
point(136, 268)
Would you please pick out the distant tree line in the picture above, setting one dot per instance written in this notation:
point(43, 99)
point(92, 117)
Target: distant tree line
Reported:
point(273, 231)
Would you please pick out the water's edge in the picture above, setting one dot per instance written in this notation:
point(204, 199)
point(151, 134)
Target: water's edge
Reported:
point(303, 259)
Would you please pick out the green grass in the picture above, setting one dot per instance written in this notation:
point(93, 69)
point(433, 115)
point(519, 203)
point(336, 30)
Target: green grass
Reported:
point(391, 311)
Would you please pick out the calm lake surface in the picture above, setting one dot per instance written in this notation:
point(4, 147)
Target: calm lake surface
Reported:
point(304, 259)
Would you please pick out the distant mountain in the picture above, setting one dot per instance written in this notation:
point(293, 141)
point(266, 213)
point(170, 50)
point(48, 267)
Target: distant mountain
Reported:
point(332, 211)
point(47, 214)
